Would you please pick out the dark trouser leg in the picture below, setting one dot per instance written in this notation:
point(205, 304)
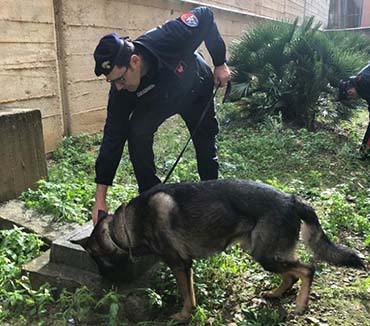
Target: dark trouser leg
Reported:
point(143, 125)
point(365, 147)
point(204, 139)
point(366, 139)
point(142, 158)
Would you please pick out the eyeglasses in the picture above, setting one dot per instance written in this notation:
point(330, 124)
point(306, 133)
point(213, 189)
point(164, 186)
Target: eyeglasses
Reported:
point(119, 80)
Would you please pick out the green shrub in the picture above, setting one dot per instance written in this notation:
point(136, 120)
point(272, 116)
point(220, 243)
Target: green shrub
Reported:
point(290, 69)
point(350, 41)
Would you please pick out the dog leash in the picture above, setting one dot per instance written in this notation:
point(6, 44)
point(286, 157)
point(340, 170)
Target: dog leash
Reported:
point(227, 93)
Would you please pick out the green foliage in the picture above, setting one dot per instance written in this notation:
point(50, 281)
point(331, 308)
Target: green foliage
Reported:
point(350, 41)
point(261, 317)
point(68, 194)
point(76, 151)
point(288, 69)
point(19, 246)
point(70, 200)
point(346, 209)
point(154, 298)
point(76, 305)
point(16, 296)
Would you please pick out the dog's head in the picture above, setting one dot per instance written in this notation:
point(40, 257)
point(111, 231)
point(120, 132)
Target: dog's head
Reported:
point(101, 247)
point(99, 243)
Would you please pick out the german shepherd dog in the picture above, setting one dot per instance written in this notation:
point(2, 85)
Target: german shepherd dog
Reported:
point(184, 221)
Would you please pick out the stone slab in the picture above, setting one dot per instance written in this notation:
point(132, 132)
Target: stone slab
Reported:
point(14, 212)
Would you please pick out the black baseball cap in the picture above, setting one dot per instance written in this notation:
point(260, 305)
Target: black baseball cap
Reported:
point(109, 49)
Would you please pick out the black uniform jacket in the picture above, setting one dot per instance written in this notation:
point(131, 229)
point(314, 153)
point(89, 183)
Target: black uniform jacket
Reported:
point(362, 84)
point(173, 45)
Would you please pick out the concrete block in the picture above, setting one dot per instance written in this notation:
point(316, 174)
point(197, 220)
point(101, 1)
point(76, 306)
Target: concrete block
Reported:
point(64, 252)
point(136, 303)
point(69, 254)
point(68, 266)
point(41, 271)
point(22, 150)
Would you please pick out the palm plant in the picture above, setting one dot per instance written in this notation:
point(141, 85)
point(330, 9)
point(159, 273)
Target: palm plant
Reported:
point(349, 40)
point(286, 68)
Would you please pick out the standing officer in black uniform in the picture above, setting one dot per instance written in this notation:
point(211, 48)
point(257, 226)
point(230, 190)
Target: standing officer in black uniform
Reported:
point(154, 77)
point(352, 88)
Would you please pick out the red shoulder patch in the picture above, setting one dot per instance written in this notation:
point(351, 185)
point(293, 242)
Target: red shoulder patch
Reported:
point(189, 19)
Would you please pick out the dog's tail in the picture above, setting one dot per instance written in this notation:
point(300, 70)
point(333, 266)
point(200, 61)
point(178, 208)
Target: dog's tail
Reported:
point(323, 249)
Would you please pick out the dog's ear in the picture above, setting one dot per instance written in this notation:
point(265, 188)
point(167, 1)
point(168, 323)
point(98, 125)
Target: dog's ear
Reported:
point(102, 215)
point(82, 242)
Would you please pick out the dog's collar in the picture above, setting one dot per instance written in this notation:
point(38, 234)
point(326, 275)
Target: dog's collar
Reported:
point(132, 251)
point(114, 239)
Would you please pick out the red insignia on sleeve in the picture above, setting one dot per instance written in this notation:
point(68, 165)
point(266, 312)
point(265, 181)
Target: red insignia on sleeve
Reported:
point(180, 68)
point(189, 19)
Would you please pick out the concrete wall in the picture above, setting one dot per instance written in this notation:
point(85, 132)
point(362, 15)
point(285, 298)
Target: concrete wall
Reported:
point(277, 9)
point(365, 19)
point(28, 62)
point(46, 49)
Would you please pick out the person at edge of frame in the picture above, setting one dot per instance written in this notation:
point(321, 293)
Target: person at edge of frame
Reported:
point(358, 87)
point(157, 75)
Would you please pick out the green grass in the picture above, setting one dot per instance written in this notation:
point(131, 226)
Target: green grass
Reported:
point(323, 167)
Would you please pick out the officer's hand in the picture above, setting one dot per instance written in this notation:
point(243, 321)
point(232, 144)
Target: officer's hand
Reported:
point(100, 202)
point(102, 206)
point(221, 75)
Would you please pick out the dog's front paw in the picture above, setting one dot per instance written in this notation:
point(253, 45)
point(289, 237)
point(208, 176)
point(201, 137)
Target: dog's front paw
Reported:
point(181, 316)
point(270, 294)
point(260, 303)
point(300, 310)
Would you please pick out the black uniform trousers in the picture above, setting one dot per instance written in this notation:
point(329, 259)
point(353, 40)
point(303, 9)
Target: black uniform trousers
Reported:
point(366, 140)
point(187, 95)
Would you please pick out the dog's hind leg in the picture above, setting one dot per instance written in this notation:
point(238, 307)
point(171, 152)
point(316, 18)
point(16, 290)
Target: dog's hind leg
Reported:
point(287, 281)
point(184, 278)
point(292, 267)
point(296, 270)
point(305, 273)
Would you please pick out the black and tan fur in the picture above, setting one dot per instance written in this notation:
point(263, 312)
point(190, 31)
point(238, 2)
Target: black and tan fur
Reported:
point(185, 221)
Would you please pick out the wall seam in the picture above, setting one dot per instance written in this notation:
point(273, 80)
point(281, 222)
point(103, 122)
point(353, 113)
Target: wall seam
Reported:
point(61, 66)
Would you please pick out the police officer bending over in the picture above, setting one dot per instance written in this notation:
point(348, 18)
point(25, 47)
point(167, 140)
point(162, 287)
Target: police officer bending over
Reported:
point(352, 88)
point(154, 77)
